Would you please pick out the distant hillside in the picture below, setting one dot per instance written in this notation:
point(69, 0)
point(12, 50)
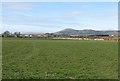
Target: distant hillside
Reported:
point(69, 31)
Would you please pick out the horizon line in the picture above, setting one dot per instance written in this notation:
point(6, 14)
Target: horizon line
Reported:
point(60, 30)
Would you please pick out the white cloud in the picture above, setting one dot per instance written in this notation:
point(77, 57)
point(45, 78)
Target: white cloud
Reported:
point(16, 6)
point(19, 7)
point(86, 6)
point(74, 13)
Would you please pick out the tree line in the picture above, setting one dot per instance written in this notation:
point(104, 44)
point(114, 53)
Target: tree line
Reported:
point(9, 34)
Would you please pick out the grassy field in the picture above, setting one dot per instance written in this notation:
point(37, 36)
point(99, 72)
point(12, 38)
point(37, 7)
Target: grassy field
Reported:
point(59, 59)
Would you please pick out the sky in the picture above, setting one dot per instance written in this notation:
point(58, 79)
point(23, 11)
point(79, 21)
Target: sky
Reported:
point(54, 16)
point(60, 0)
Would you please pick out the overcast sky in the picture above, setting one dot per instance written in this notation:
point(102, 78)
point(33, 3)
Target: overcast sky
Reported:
point(55, 16)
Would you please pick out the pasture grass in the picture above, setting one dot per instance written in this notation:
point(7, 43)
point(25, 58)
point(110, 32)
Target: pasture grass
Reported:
point(59, 59)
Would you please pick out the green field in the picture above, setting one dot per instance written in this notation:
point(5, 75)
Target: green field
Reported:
point(59, 59)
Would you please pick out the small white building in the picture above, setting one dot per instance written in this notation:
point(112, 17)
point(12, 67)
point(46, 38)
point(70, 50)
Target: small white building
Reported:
point(98, 39)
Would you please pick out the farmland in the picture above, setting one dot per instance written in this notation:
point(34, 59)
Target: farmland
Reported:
point(59, 59)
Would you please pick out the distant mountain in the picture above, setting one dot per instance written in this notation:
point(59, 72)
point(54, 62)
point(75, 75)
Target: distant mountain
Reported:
point(69, 31)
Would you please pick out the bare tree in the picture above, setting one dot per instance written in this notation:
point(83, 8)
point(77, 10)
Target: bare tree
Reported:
point(17, 34)
point(6, 34)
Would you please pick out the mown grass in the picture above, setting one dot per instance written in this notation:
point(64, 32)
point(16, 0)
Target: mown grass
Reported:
point(59, 59)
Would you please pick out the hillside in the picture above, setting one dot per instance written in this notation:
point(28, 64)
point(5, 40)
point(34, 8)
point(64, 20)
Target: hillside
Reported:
point(69, 31)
